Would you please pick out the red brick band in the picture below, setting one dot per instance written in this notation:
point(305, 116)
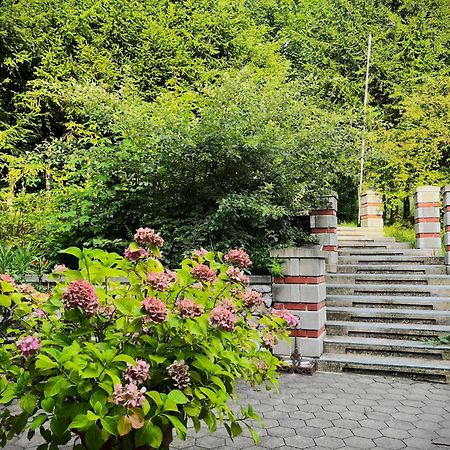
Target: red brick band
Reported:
point(371, 204)
point(447, 208)
point(428, 205)
point(448, 248)
point(300, 306)
point(329, 248)
point(323, 230)
point(299, 280)
point(447, 228)
point(371, 216)
point(427, 219)
point(308, 333)
point(428, 235)
point(323, 212)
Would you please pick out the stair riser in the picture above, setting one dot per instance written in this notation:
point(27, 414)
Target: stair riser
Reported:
point(379, 269)
point(391, 291)
point(361, 245)
point(386, 351)
point(387, 279)
point(383, 260)
point(389, 303)
point(385, 334)
point(434, 320)
point(384, 252)
point(442, 376)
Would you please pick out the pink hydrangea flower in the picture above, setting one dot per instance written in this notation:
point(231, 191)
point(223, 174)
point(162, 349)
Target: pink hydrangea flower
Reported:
point(161, 281)
point(39, 313)
point(149, 237)
point(199, 253)
point(203, 273)
point(137, 373)
point(197, 286)
point(8, 278)
point(26, 289)
point(269, 340)
point(236, 274)
point(135, 255)
point(156, 310)
point(238, 258)
point(81, 294)
point(129, 395)
point(222, 317)
point(188, 308)
point(59, 268)
point(28, 345)
point(291, 320)
point(253, 298)
point(228, 304)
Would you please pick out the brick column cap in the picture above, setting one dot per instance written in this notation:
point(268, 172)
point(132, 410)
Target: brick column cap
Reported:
point(427, 189)
point(446, 189)
point(312, 251)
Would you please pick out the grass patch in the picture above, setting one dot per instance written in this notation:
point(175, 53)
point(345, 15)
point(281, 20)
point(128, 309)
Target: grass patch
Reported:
point(401, 233)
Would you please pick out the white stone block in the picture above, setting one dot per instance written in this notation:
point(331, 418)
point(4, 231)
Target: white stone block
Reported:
point(427, 227)
point(371, 210)
point(447, 239)
point(323, 221)
point(308, 347)
point(306, 267)
point(312, 293)
point(376, 224)
point(447, 218)
point(421, 213)
point(327, 238)
point(299, 293)
point(427, 194)
point(431, 243)
point(312, 320)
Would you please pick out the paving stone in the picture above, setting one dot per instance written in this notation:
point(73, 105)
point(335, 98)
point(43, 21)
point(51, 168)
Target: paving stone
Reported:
point(369, 433)
point(359, 442)
point(346, 423)
point(271, 442)
point(329, 442)
point(389, 443)
point(281, 432)
point(338, 432)
point(395, 433)
point(311, 432)
point(300, 442)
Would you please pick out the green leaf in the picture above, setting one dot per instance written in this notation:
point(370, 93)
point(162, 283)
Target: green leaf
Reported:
point(28, 403)
point(209, 393)
point(74, 251)
point(150, 435)
point(44, 363)
point(156, 397)
point(124, 358)
point(38, 421)
point(110, 424)
point(124, 425)
point(47, 404)
point(180, 428)
point(236, 429)
point(80, 422)
point(254, 435)
point(94, 439)
point(178, 397)
point(5, 301)
point(56, 385)
point(170, 405)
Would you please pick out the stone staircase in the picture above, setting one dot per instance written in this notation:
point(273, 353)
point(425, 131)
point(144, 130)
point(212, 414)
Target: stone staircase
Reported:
point(383, 304)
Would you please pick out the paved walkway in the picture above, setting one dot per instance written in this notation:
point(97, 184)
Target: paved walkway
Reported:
point(331, 410)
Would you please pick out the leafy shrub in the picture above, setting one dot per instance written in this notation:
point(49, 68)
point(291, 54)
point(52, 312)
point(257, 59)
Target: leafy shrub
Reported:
point(123, 351)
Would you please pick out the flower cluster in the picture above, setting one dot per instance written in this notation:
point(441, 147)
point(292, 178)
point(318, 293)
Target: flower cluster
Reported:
point(290, 319)
point(135, 255)
point(188, 308)
point(236, 274)
point(149, 237)
point(253, 298)
point(80, 293)
point(156, 310)
point(160, 281)
point(222, 316)
point(28, 345)
point(199, 253)
point(179, 372)
point(129, 395)
point(39, 313)
point(238, 258)
point(203, 273)
point(59, 268)
point(269, 340)
point(26, 289)
point(137, 373)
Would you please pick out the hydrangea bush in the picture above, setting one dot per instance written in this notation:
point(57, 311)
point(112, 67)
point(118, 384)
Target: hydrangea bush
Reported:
point(122, 351)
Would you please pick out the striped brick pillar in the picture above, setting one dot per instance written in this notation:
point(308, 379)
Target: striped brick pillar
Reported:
point(323, 223)
point(427, 218)
point(302, 292)
point(371, 210)
point(446, 196)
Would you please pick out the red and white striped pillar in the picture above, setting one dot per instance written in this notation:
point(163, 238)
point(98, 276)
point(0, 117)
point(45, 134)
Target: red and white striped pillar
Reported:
point(446, 196)
point(371, 210)
point(302, 291)
point(427, 218)
point(323, 223)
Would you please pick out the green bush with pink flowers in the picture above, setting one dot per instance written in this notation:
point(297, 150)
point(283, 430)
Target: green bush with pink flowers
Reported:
point(123, 351)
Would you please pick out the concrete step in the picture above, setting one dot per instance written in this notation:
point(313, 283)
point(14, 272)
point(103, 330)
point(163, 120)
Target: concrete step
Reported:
point(390, 259)
point(409, 290)
point(418, 269)
point(415, 368)
point(392, 302)
point(364, 238)
point(388, 279)
point(385, 252)
point(386, 330)
point(385, 347)
point(373, 245)
point(388, 315)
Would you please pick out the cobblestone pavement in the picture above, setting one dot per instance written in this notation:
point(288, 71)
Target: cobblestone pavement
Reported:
point(331, 411)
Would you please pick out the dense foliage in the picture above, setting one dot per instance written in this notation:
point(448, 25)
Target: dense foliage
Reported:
point(123, 351)
point(216, 121)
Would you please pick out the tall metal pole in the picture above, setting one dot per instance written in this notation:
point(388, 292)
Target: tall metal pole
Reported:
point(363, 142)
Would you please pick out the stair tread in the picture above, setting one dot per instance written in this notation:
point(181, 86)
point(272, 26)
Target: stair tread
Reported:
point(392, 326)
point(384, 311)
point(395, 298)
point(379, 342)
point(420, 287)
point(390, 276)
point(396, 361)
point(394, 266)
